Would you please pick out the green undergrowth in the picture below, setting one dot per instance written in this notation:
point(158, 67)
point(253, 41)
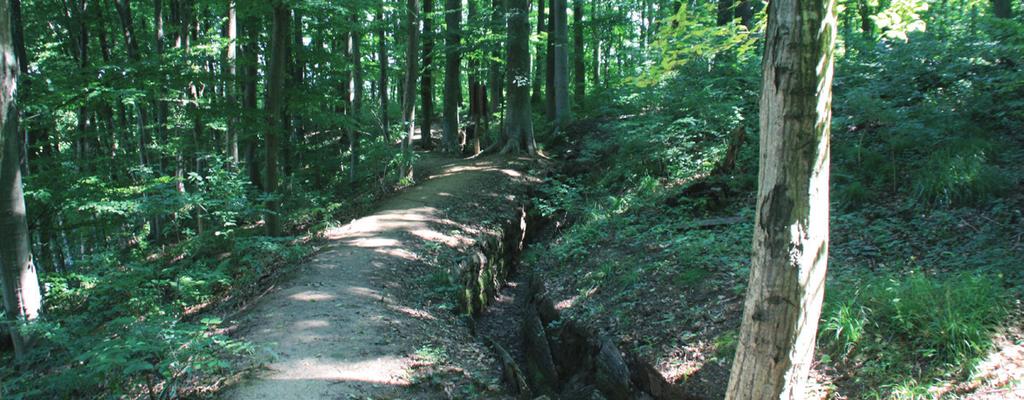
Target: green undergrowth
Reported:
point(881, 325)
point(131, 317)
point(926, 213)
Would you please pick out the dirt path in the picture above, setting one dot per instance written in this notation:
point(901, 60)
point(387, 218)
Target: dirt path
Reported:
point(341, 328)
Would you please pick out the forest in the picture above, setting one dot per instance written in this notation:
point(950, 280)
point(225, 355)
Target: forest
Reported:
point(512, 199)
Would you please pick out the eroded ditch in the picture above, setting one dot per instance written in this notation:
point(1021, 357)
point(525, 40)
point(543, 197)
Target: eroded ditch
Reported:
point(543, 354)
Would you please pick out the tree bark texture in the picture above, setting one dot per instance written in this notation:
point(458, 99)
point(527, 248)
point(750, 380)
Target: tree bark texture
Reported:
point(382, 59)
point(791, 237)
point(409, 96)
point(538, 65)
point(561, 76)
point(427, 79)
point(579, 66)
point(1002, 8)
point(452, 74)
point(519, 120)
point(276, 72)
point(21, 294)
point(790, 252)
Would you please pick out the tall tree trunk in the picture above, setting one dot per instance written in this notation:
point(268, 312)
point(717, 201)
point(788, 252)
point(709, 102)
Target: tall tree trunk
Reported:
point(562, 110)
point(477, 89)
point(81, 46)
point(452, 74)
point(161, 105)
point(595, 48)
point(725, 11)
point(409, 95)
point(494, 75)
point(538, 65)
point(232, 87)
point(427, 79)
point(275, 106)
point(160, 115)
point(18, 36)
point(250, 71)
point(867, 27)
point(787, 273)
point(21, 294)
point(382, 59)
point(131, 46)
point(745, 12)
point(124, 13)
point(549, 65)
point(579, 67)
point(355, 41)
point(519, 120)
point(1002, 8)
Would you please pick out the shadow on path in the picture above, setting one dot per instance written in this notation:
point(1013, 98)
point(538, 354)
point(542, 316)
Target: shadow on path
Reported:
point(334, 329)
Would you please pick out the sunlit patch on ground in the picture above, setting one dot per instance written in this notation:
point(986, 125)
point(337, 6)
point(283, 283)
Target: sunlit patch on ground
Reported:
point(312, 296)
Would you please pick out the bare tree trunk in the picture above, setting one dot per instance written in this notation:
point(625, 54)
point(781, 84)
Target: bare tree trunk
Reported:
point(232, 86)
point(867, 27)
point(787, 273)
point(595, 46)
point(275, 104)
point(494, 75)
point(18, 36)
point(725, 12)
point(1002, 8)
point(452, 74)
point(299, 54)
point(161, 105)
point(382, 59)
point(745, 12)
point(477, 89)
point(579, 67)
point(427, 78)
point(21, 294)
point(549, 66)
point(250, 72)
point(538, 66)
point(355, 50)
point(409, 95)
point(562, 110)
point(519, 120)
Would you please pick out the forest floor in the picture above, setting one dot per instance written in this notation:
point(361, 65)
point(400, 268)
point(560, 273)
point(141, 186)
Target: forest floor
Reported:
point(363, 319)
point(663, 271)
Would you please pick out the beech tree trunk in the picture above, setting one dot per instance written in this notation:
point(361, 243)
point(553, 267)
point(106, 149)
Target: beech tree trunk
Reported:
point(427, 79)
point(519, 120)
point(579, 68)
point(298, 85)
point(477, 89)
point(1002, 8)
point(725, 11)
point(232, 86)
point(409, 95)
point(745, 12)
point(538, 67)
point(498, 26)
point(787, 273)
point(549, 65)
point(356, 90)
point(21, 294)
point(382, 59)
point(595, 47)
point(561, 76)
point(250, 72)
point(276, 72)
point(452, 74)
